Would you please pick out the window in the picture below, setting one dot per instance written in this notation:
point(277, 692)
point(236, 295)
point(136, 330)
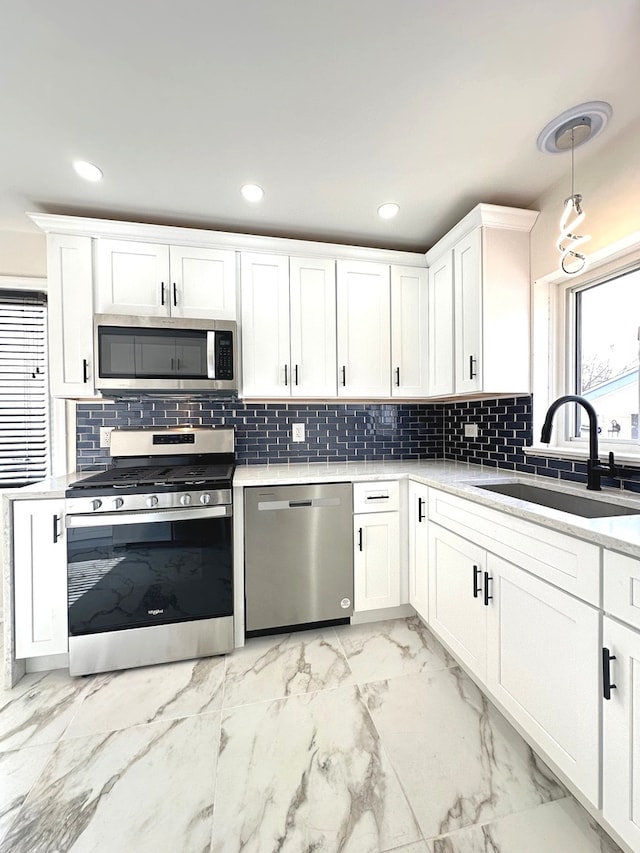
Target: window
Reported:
point(24, 395)
point(605, 358)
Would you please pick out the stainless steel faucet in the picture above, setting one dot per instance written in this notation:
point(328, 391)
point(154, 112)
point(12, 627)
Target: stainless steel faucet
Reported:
point(594, 467)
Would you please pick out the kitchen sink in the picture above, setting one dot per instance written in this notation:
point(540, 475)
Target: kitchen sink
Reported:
point(586, 507)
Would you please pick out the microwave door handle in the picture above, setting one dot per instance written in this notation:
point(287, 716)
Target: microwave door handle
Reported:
point(211, 355)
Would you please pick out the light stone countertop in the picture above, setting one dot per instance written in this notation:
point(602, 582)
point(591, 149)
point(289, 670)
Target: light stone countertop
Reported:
point(620, 533)
point(458, 478)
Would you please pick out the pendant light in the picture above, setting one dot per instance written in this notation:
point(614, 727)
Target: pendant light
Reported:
point(571, 260)
point(566, 132)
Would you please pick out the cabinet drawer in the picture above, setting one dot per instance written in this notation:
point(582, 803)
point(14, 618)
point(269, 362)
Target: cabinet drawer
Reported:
point(621, 587)
point(383, 496)
point(571, 564)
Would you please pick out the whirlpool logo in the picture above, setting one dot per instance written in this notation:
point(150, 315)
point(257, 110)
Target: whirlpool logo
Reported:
point(155, 612)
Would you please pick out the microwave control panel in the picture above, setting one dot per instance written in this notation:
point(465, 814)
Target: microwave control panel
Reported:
point(224, 355)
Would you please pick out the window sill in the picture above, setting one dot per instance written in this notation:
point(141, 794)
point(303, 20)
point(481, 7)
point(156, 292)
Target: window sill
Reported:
point(629, 460)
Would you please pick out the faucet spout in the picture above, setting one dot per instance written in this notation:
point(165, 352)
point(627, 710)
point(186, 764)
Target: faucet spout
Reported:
point(594, 467)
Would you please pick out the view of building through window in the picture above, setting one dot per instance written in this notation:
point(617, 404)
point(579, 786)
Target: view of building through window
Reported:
point(607, 337)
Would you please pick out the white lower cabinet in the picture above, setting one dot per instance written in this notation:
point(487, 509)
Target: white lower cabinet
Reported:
point(419, 549)
point(621, 731)
point(40, 578)
point(621, 702)
point(376, 569)
point(543, 668)
point(377, 573)
point(533, 646)
point(456, 604)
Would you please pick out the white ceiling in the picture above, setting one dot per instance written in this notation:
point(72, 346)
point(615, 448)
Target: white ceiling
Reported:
point(332, 106)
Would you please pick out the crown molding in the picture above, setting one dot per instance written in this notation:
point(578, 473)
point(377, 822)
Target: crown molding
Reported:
point(489, 215)
point(177, 236)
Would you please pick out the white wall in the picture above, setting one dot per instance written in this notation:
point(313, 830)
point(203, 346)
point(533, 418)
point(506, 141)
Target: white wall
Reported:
point(23, 253)
point(609, 180)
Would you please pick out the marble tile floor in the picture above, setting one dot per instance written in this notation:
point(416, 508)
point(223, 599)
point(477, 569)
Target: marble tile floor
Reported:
point(360, 739)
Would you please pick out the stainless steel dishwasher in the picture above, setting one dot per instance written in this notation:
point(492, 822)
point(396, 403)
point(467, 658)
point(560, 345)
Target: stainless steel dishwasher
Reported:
point(298, 555)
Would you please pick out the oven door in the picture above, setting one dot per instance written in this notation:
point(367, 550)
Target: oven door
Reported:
point(140, 569)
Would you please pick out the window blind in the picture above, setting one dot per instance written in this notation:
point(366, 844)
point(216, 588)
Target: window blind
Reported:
point(24, 391)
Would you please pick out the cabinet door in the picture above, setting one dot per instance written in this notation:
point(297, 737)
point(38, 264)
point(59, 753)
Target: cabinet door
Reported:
point(203, 283)
point(312, 292)
point(621, 733)
point(440, 337)
point(409, 327)
point(457, 610)
point(418, 549)
point(70, 299)
point(40, 578)
point(364, 337)
point(132, 278)
point(376, 568)
point(266, 366)
point(467, 277)
point(544, 658)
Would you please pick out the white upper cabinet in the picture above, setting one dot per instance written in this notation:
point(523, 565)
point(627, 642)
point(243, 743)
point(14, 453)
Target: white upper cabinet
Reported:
point(203, 283)
point(467, 321)
point(266, 356)
point(288, 326)
point(155, 280)
point(70, 304)
point(409, 327)
point(364, 340)
point(312, 304)
point(440, 332)
point(479, 305)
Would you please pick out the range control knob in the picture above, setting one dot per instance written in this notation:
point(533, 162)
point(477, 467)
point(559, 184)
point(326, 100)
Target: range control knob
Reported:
point(96, 504)
point(152, 501)
point(185, 500)
point(205, 498)
point(117, 503)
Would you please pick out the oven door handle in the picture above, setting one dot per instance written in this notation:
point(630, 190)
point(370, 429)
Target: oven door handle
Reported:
point(116, 518)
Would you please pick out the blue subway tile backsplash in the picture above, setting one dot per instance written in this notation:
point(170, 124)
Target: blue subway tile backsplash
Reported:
point(334, 432)
point(339, 432)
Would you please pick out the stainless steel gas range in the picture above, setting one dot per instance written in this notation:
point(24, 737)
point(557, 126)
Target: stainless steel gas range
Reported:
point(149, 551)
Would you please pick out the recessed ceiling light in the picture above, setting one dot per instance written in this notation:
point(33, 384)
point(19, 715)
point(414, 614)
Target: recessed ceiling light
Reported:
point(388, 210)
point(87, 170)
point(252, 192)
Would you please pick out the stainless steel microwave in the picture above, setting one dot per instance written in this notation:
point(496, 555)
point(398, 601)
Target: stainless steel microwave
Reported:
point(156, 354)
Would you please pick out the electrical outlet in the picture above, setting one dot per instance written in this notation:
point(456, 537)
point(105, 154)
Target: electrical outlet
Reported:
point(471, 430)
point(105, 436)
point(297, 432)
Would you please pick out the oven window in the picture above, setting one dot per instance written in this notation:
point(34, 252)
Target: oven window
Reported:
point(137, 575)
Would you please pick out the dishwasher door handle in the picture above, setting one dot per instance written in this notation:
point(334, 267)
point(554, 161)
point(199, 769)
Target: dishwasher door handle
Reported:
point(266, 506)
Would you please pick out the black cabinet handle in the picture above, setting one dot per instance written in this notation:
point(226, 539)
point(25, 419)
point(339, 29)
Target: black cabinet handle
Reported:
point(477, 589)
point(487, 597)
point(286, 374)
point(360, 539)
point(421, 516)
point(607, 686)
point(85, 370)
point(344, 375)
point(162, 292)
point(175, 294)
point(56, 534)
point(295, 373)
point(398, 377)
point(472, 373)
